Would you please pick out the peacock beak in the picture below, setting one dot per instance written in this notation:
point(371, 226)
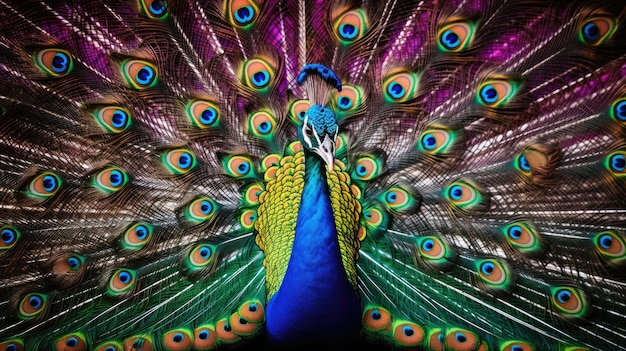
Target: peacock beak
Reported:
point(326, 151)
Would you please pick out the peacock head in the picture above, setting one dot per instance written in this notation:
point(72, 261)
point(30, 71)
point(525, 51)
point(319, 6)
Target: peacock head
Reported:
point(319, 132)
point(319, 126)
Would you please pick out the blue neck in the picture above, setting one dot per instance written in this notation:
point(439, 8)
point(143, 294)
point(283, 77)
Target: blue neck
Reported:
point(315, 301)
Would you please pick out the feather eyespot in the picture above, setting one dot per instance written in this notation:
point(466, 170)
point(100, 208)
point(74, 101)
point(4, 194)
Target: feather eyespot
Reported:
point(225, 332)
point(110, 179)
point(9, 236)
point(435, 339)
point(516, 345)
point(243, 327)
point(121, 282)
point(113, 119)
point(367, 168)
point(375, 217)
point(616, 163)
point(252, 311)
point(464, 195)
point(204, 337)
point(611, 246)
point(69, 264)
point(248, 218)
point(496, 92)
point(456, 36)
point(200, 209)
point(350, 26)
point(32, 305)
point(349, 99)
point(157, 9)
point(203, 114)
point(252, 193)
point(178, 339)
point(242, 13)
point(257, 74)
point(12, 345)
point(400, 87)
point(238, 166)
point(432, 248)
point(408, 333)
point(398, 199)
point(54, 62)
point(71, 342)
point(494, 274)
point(376, 318)
point(597, 30)
point(569, 301)
point(136, 236)
point(618, 110)
point(522, 236)
point(179, 161)
point(138, 342)
point(297, 111)
point(262, 124)
point(110, 346)
point(461, 339)
point(437, 140)
point(200, 256)
point(139, 74)
point(44, 185)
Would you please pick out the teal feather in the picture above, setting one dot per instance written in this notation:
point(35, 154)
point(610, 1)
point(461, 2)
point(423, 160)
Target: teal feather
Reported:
point(463, 175)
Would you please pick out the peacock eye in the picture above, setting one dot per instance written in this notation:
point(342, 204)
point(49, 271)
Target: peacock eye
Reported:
point(71, 342)
point(110, 179)
point(516, 345)
point(179, 161)
point(308, 131)
point(461, 339)
point(262, 124)
point(8, 237)
point(155, 8)
point(408, 333)
point(242, 13)
point(139, 74)
point(257, 74)
point(178, 339)
point(136, 236)
point(121, 282)
point(297, 110)
point(200, 209)
point(618, 110)
point(32, 305)
point(12, 345)
point(496, 92)
point(204, 337)
point(597, 30)
point(350, 26)
point(54, 62)
point(44, 185)
point(616, 163)
point(200, 256)
point(109, 346)
point(611, 246)
point(571, 302)
point(138, 342)
point(203, 114)
point(113, 119)
point(456, 36)
point(400, 87)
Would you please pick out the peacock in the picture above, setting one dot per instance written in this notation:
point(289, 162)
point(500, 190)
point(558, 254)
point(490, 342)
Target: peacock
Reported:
point(284, 174)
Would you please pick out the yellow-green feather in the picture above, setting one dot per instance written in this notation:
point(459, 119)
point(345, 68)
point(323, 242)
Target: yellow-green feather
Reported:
point(278, 211)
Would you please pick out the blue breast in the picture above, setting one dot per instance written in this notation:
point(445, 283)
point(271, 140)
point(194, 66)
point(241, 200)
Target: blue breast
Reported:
point(316, 302)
